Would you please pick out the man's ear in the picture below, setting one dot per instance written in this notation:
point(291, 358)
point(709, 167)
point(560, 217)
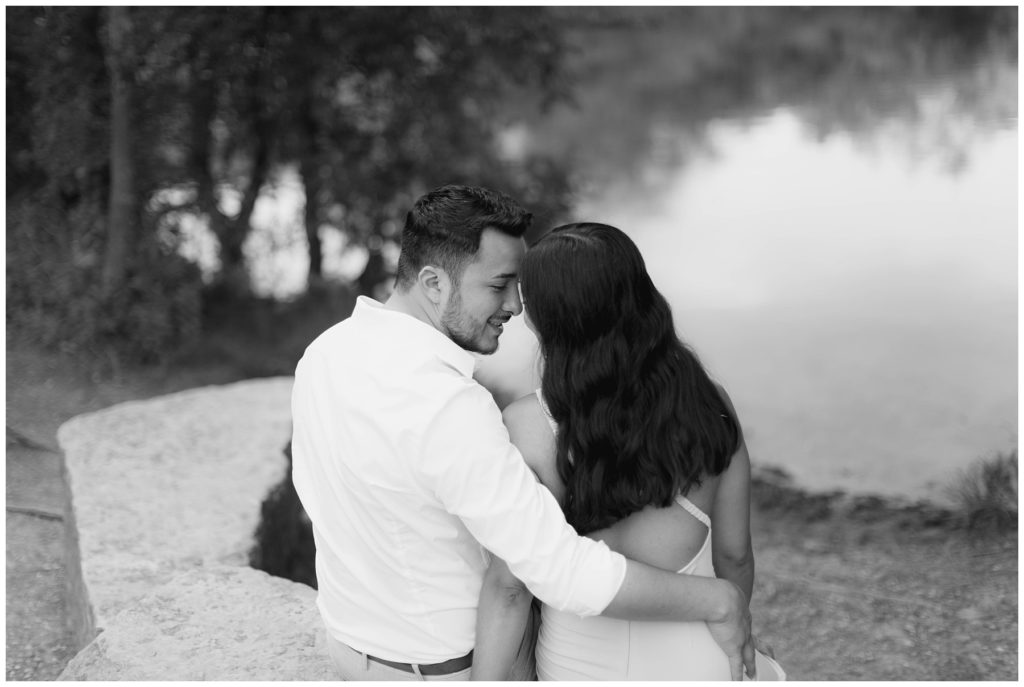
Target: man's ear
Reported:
point(434, 283)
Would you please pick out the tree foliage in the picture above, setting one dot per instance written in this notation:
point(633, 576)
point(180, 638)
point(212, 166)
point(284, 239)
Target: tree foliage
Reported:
point(122, 119)
point(370, 105)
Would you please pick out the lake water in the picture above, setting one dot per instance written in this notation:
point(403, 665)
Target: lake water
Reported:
point(861, 308)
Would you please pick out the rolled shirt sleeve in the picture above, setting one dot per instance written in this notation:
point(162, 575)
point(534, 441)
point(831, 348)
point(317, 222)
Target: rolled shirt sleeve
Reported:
point(472, 468)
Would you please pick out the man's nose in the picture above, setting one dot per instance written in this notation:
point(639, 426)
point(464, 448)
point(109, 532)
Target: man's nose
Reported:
point(514, 303)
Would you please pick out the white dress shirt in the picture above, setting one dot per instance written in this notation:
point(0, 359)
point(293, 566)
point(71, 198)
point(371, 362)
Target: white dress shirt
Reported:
point(403, 464)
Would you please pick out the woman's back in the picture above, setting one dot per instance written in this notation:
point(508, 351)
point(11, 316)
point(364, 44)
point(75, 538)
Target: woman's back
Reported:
point(601, 648)
point(677, 537)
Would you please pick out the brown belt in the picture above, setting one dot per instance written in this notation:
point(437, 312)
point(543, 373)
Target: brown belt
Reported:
point(452, 665)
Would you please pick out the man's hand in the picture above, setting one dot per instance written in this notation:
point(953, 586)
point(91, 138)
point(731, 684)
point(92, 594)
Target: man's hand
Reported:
point(732, 632)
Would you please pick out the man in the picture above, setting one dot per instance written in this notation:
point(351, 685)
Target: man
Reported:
point(407, 473)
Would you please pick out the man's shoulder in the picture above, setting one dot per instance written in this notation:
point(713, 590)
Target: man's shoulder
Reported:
point(339, 328)
point(457, 385)
point(463, 398)
point(346, 332)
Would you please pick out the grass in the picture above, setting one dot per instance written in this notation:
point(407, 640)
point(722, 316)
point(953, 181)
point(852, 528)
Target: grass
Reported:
point(985, 493)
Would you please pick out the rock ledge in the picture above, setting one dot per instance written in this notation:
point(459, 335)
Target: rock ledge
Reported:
point(213, 623)
point(166, 497)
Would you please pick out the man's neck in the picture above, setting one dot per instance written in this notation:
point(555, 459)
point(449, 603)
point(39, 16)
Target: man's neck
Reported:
point(407, 302)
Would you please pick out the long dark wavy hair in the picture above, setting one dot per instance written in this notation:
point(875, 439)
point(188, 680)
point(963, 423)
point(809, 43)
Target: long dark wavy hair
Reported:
point(639, 419)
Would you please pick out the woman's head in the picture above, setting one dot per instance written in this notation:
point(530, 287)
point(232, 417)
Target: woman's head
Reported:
point(637, 413)
point(581, 281)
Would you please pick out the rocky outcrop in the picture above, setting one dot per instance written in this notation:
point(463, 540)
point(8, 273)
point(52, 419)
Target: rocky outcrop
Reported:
point(166, 496)
point(212, 623)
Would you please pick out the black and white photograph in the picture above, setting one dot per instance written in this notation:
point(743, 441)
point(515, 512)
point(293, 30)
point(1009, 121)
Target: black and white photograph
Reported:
point(512, 343)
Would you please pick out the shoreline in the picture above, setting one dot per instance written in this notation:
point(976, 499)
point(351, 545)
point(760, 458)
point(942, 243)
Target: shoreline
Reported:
point(774, 491)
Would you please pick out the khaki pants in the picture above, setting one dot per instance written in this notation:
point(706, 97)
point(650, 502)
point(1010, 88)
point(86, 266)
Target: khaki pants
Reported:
point(355, 666)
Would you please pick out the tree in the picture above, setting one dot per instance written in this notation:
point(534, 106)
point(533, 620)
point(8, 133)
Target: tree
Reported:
point(79, 273)
point(370, 105)
point(123, 202)
point(119, 118)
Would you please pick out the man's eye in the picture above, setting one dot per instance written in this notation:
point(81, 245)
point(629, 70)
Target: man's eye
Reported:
point(495, 287)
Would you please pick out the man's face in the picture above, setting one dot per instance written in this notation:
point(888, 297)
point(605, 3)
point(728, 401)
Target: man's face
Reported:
point(487, 295)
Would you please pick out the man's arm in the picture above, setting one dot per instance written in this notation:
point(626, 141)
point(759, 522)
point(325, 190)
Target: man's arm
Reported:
point(480, 477)
point(648, 593)
point(528, 430)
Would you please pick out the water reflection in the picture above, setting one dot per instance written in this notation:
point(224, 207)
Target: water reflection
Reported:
point(778, 217)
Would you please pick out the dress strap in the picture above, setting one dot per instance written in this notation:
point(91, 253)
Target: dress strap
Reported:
point(547, 412)
point(692, 509)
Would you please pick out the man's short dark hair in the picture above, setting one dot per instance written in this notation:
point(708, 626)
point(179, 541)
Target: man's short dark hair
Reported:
point(444, 227)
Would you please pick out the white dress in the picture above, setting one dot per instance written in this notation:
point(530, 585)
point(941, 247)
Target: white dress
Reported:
point(598, 648)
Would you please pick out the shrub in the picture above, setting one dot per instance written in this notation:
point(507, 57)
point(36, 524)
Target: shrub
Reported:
point(156, 312)
point(284, 537)
point(986, 493)
point(55, 300)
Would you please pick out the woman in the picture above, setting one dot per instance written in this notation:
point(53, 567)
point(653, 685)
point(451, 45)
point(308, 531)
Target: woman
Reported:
point(638, 445)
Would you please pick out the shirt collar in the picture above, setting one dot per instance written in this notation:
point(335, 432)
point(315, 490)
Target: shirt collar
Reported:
point(417, 332)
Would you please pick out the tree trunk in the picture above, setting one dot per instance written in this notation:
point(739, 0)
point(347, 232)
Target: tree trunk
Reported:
point(203, 99)
point(120, 219)
point(234, 232)
point(233, 272)
point(311, 182)
point(374, 273)
point(309, 168)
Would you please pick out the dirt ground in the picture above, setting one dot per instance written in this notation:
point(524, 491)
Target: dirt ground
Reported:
point(846, 589)
point(883, 594)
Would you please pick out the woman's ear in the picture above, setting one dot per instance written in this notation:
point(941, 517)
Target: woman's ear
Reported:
point(434, 283)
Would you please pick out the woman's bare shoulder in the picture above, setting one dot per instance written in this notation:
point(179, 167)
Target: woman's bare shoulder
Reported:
point(529, 430)
point(528, 427)
point(522, 409)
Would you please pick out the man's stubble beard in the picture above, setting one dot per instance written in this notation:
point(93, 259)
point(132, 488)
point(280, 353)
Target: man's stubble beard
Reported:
point(456, 327)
